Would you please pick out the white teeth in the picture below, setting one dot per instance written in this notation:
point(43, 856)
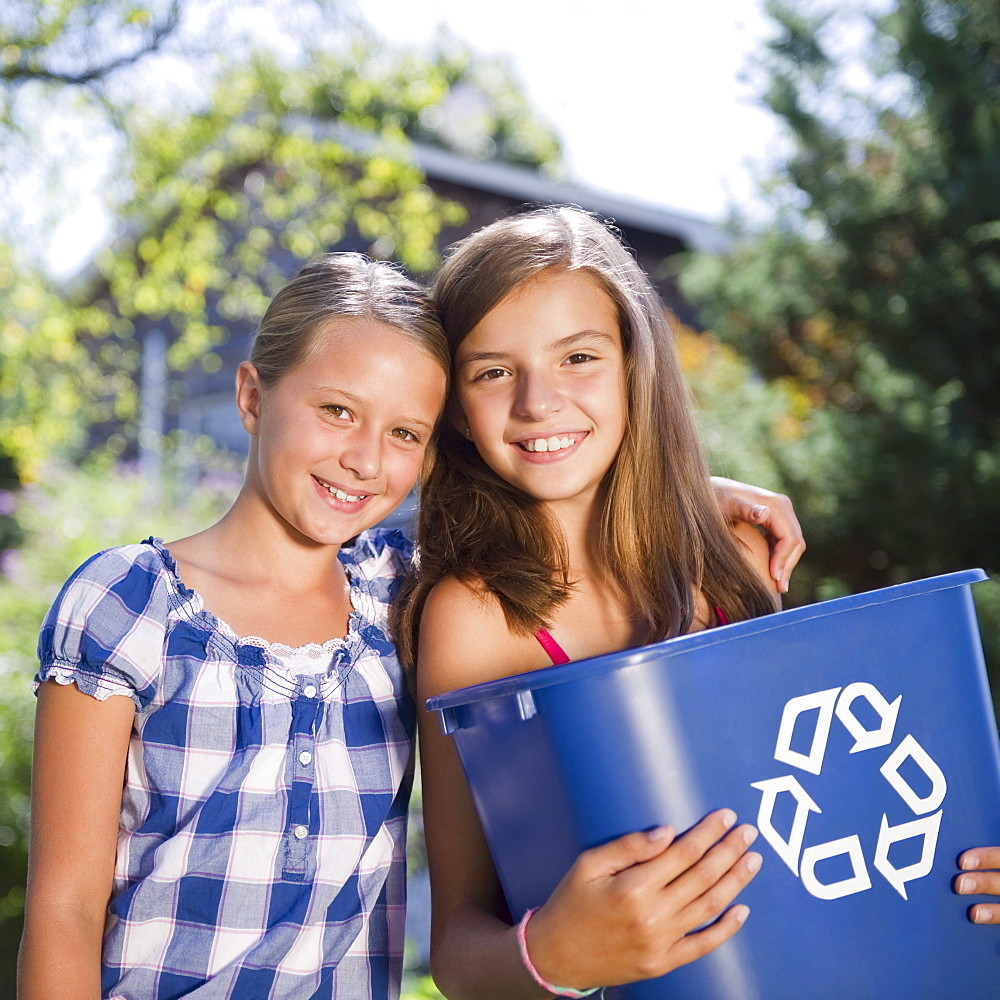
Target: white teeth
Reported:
point(341, 495)
point(547, 444)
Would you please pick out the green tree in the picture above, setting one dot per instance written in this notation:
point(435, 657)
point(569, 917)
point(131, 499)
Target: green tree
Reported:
point(219, 206)
point(873, 296)
point(80, 42)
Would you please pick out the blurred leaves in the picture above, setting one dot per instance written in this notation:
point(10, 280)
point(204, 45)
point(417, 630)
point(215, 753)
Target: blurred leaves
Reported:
point(422, 988)
point(80, 41)
point(220, 206)
point(471, 105)
point(63, 518)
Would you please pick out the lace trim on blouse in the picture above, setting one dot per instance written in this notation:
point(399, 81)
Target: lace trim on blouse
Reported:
point(277, 650)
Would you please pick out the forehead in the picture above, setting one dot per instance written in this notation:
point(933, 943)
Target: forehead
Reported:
point(369, 358)
point(551, 305)
point(345, 341)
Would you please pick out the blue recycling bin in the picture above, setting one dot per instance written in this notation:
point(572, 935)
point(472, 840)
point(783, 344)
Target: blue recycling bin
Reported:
point(857, 734)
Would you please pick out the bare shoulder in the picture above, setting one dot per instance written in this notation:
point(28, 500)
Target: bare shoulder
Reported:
point(464, 640)
point(757, 551)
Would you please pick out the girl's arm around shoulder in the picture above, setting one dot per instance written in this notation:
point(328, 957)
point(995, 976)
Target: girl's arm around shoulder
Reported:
point(771, 511)
point(76, 787)
point(758, 554)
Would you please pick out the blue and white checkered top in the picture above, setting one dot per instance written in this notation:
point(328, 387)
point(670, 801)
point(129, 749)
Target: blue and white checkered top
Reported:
point(261, 849)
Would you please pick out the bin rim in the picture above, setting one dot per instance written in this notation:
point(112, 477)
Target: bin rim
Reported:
point(544, 677)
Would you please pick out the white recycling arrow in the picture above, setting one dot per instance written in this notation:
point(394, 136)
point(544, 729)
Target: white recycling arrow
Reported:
point(794, 707)
point(909, 747)
point(788, 850)
point(859, 879)
point(866, 739)
point(926, 827)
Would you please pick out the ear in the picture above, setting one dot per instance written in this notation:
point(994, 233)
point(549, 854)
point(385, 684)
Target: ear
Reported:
point(249, 391)
point(455, 416)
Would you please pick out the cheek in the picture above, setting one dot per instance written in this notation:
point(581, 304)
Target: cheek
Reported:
point(405, 470)
point(297, 442)
point(481, 409)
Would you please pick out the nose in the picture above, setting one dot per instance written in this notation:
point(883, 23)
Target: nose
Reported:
point(362, 454)
point(537, 397)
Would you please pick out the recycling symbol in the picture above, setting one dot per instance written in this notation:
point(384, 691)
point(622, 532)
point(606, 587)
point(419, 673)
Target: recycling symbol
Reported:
point(926, 808)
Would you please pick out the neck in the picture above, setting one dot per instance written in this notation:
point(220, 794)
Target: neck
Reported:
point(580, 522)
point(254, 541)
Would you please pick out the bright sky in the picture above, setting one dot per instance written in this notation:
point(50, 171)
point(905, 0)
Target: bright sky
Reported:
point(646, 94)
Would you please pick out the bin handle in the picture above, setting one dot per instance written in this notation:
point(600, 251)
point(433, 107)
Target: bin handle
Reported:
point(449, 720)
point(526, 707)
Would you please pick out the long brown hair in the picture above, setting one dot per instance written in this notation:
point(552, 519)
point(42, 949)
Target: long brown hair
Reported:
point(662, 536)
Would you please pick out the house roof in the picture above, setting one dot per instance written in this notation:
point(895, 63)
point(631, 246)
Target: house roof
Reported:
point(530, 186)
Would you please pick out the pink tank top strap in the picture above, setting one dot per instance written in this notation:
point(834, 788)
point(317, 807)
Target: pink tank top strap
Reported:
point(556, 653)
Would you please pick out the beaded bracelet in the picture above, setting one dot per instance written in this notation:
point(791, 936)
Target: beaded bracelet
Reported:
point(522, 945)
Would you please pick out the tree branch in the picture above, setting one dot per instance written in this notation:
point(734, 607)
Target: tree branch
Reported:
point(21, 73)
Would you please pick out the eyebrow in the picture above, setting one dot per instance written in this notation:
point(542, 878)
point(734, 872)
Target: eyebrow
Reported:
point(561, 344)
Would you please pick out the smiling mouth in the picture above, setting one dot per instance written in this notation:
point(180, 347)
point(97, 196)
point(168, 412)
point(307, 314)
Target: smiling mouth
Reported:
point(338, 494)
point(558, 442)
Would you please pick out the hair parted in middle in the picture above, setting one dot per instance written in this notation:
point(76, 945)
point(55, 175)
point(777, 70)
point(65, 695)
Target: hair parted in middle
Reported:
point(338, 286)
point(663, 536)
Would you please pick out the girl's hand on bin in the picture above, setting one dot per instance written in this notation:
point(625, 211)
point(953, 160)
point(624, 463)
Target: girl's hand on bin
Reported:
point(629, 909)
point(771, 511)
point(979, 880)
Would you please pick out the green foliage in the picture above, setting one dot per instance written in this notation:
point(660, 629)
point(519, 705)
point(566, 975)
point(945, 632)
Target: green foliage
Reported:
point(450, 98)
point(63, 518)
point(422, 988)
point(222, 205)
point(51, 386)
point(874, 294)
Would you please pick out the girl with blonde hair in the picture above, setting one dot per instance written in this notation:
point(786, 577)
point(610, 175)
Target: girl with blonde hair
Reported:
point(223, 748)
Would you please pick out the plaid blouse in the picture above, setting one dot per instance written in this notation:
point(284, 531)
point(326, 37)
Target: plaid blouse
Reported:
point(261, 846)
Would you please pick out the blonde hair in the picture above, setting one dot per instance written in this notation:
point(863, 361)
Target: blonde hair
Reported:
point(335, 286)
point(662, 535)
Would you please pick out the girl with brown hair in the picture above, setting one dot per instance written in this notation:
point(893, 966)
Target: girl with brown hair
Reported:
point(569, 514)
